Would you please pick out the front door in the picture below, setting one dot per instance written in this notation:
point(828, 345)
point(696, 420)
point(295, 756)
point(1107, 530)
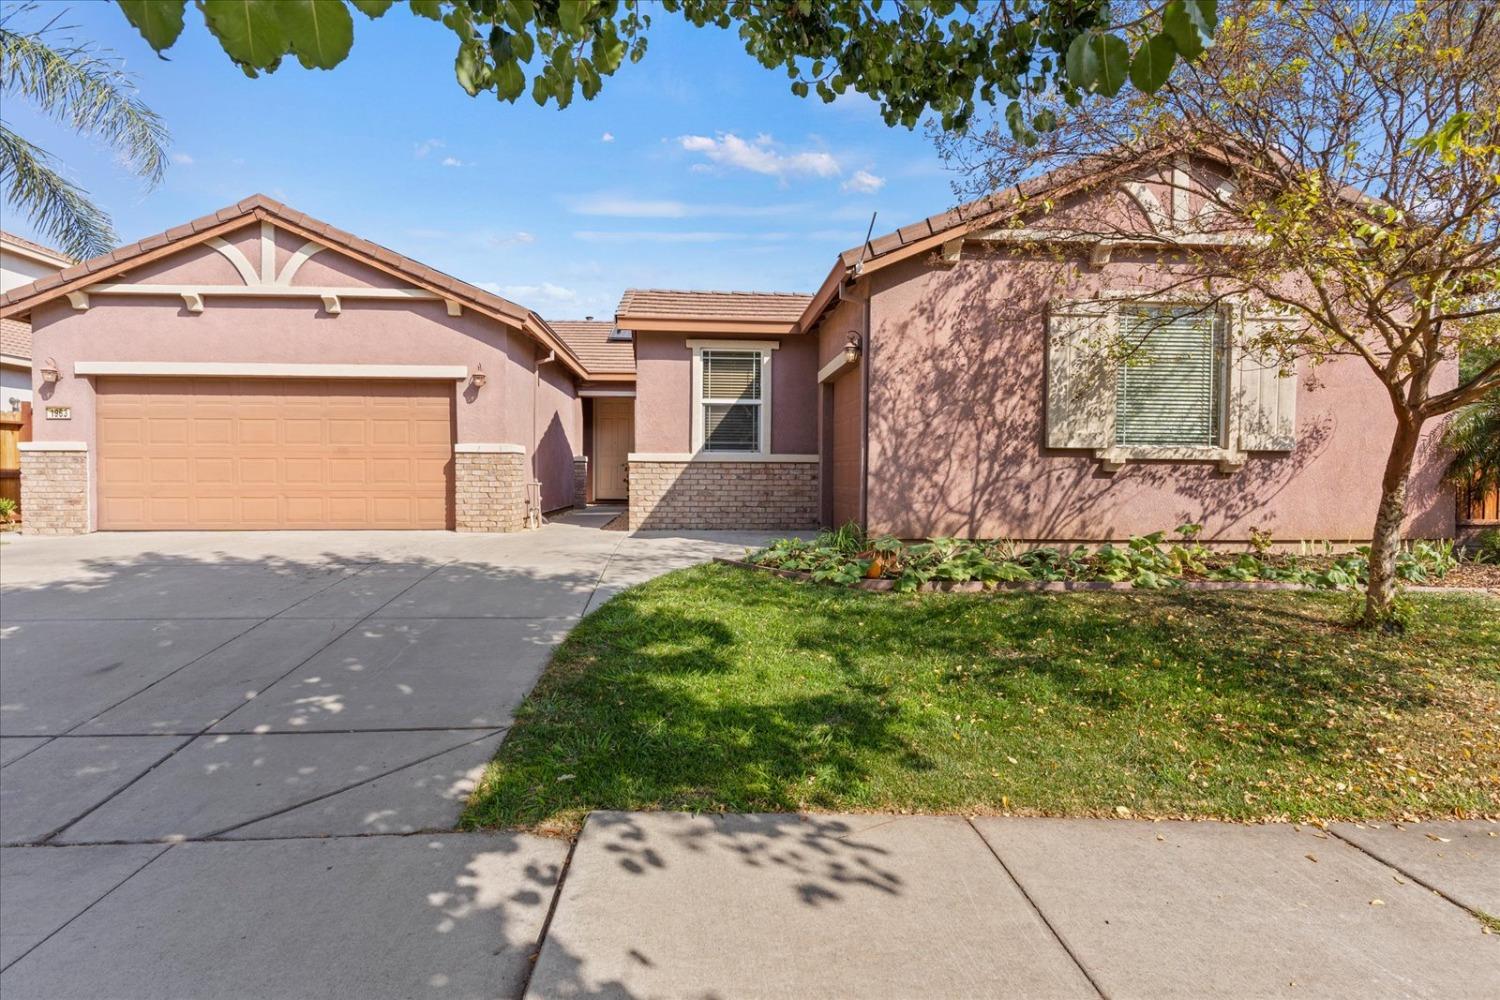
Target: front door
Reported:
point(614, 438)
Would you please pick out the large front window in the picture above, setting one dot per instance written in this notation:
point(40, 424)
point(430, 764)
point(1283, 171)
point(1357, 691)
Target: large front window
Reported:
point(730, 392)
point(1171, 386)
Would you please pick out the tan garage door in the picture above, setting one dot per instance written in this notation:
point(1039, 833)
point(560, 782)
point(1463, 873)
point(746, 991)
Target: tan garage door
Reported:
point(274, 453)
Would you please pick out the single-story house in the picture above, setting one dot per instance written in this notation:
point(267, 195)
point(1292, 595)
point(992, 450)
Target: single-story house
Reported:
point(257, 368)
point(21, 263)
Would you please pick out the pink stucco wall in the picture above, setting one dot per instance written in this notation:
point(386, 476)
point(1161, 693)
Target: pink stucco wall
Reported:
point(664, 393)
point(299, 331)
point(958, 426)
point(843, 419)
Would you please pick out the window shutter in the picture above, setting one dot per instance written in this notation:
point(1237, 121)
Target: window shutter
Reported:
point(1265, 401)
point(1080, 375)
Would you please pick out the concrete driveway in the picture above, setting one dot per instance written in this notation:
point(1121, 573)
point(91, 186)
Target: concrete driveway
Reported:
point(231, 761)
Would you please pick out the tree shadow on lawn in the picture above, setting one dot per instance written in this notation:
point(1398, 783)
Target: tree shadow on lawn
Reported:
point(721, 689)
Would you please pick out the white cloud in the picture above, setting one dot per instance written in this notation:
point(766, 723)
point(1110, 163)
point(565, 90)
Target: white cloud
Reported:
point(421, 149)
point(760, 155)
point(453, 161)
point(183, 159)
point(670, 236)
point(627, 207)
point(545, 293)
point(864, 182)
point(607, 137)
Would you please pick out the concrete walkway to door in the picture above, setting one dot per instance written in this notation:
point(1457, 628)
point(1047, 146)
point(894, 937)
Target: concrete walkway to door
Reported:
point(232, 761)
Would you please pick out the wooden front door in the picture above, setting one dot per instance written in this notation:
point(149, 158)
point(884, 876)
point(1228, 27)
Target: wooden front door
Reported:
point(614, 439)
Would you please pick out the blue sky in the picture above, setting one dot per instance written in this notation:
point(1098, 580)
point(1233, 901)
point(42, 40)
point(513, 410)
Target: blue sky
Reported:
point(695, 168)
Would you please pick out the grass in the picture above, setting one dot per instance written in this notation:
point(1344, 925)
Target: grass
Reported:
point(718, 688)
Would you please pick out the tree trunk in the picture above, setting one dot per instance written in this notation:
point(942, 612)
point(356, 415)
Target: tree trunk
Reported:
point(1385, 542)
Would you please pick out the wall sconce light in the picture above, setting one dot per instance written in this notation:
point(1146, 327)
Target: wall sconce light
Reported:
point(49, 371)
point(479, 378)
point(852, 348)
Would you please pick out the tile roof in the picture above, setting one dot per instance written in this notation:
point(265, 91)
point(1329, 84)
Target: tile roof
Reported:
point(15, 338)
point(33, 246)
point(589, 339)
point(18, 300)
point(758, 307)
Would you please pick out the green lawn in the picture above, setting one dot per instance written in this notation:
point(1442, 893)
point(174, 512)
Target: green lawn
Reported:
point(724, 689)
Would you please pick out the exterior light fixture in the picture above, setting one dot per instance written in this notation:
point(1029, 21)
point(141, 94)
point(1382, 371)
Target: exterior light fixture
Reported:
point(479, 378)
point(852, 348)
point(49, 371)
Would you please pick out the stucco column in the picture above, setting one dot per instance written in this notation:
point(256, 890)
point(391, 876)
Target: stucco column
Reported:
point(55, 487)
point(489, 487)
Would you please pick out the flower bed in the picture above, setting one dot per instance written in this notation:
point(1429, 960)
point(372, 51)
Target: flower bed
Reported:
point(1149, 561)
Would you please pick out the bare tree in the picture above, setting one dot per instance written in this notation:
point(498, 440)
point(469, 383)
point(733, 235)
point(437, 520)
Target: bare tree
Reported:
point(1361, 195)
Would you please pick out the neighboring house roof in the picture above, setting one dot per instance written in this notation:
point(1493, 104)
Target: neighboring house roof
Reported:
point(662, 309)
point(36, 251)
point(590, 340)
point(19, 301)
point(15, 339)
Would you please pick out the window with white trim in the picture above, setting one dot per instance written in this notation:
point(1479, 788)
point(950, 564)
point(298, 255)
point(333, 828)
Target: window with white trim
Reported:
point(1171, 388)
point(730, 397)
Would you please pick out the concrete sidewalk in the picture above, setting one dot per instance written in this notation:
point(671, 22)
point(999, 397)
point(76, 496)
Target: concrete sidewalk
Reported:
point(671, 905)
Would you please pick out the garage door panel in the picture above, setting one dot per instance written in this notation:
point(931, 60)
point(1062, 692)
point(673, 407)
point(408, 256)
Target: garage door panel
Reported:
point(246, 453)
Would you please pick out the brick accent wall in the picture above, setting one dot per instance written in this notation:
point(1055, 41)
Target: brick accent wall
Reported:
point(580, 480)
point(54, 492)
point(489, 491)
point(723, 496)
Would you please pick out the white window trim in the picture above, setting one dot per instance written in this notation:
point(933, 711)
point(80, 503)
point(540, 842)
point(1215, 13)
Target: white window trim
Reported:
point(761, 347)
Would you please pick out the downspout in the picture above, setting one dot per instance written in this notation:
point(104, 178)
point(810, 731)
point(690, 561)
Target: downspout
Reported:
point(534, 488)
point(867, 356)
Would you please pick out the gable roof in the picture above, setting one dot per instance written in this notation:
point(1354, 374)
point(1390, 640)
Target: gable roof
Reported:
point(673, 310)
point(991, 209)
point(15, 339)
point(590, 340)
point(36, 251)
point(19, 302)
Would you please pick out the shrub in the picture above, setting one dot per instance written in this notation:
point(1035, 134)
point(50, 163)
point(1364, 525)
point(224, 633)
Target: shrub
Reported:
point(1149, 562)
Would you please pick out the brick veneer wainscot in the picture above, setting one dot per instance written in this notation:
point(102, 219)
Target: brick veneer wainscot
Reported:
point(55, 492)
point(723, 496)
point(580, 480)
point(489, 491)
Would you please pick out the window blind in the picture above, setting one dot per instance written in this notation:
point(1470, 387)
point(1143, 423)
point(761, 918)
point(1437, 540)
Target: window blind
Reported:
point(1171, 387)
point(731, 400)
point(731, 375)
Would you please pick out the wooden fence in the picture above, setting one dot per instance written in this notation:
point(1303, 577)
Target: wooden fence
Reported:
point(1476, 506)
point(15, 427)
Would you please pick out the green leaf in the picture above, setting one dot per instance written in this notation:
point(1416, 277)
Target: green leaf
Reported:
point(1082, 63)
point(1153, 63)
point(319, 31)
point(570, 16)
point(158, 21)
point(469, 67)
point(1190, 24)
point(509, 81)
point(372, 8)
point(523, 46)
point(430, 9)
point(249, 31)
point(1114, 64)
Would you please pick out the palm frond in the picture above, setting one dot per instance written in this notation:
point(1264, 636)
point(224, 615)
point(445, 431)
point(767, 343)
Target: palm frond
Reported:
point(58, 207)
point(76, 85)
point(1474, 437)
